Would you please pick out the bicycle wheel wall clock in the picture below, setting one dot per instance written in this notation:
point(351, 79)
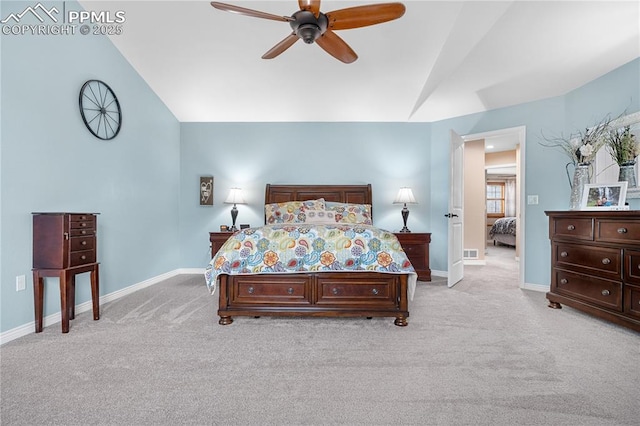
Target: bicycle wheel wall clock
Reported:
point(100, 109)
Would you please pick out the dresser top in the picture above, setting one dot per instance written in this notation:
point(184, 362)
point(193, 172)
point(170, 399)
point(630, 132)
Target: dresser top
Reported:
point(596, 213)
point(58, 213)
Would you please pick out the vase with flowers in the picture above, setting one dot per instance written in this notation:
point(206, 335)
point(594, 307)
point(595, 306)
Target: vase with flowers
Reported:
point(581, 148)
point(624, 148)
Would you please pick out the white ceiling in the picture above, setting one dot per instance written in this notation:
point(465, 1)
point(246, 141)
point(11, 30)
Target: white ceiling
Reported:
point(442, 59)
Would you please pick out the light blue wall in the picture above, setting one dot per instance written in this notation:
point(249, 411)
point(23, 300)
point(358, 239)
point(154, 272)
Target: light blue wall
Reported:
point(390, 155)
point(250, 155)
point(50, 162)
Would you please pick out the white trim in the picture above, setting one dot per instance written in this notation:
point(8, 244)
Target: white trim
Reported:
point(535, 287)
point(444, 274)
point(54, 318)
point(474, 262)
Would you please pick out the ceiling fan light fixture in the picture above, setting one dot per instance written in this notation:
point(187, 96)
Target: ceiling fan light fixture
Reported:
point(309, 33)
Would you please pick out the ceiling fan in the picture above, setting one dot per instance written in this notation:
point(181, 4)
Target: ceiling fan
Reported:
point(311, 25)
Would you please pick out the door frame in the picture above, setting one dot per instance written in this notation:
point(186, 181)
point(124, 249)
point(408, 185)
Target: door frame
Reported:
point(520, 132)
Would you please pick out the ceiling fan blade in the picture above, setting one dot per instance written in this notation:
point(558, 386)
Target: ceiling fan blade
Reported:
point(362, 16)
point(281, 47)
point(336, 47)
point(249, 12)
point(310, 5)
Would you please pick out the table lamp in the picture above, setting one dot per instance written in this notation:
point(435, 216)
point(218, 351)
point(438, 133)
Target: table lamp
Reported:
point(235, 197)
point(405, 196)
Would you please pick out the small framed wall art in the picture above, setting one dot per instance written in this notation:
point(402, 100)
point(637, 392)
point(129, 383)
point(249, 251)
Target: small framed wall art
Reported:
point(604, 196)
point(206, 190)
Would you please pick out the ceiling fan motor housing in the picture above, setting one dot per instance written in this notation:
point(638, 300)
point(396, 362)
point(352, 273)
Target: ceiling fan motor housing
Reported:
point(306, 26)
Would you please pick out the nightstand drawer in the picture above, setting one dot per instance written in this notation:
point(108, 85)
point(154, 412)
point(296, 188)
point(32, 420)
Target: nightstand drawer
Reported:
point(77, 258)
point(357, 293)
point(417, 254)
point(83, 243)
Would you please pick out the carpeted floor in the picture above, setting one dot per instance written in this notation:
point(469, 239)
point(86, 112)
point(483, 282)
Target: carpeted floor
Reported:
point(481, 353)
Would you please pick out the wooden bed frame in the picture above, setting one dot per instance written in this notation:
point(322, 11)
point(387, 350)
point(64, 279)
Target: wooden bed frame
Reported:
point(325, 294)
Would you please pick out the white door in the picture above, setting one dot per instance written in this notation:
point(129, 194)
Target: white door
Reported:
point(456, 197)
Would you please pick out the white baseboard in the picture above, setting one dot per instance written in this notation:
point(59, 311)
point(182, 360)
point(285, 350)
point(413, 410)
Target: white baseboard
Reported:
point(474, 262)
point(535, 287)
point(54, 318)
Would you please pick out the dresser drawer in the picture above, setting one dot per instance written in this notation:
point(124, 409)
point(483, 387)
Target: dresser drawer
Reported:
point(77, 221)
point(618, 231)
point(250, 290)
point(632, 266)
point(571, 227)
point(375, 293)
point(598, 291)
point(632, 301)
point(603, 261)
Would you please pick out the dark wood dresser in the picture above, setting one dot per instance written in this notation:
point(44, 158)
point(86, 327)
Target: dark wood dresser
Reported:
point(64, 245)
point(416, 246)
point(595, 263)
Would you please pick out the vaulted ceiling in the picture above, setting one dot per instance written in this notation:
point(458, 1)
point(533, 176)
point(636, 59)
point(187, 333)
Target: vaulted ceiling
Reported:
point(441, 59)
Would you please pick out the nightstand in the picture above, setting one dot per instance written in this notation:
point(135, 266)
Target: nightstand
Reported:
point(217, 239)
point(416, 246)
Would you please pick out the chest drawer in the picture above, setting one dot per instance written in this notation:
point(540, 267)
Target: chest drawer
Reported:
point(571, 227)
point(77, 258)
point(291, 290)
point(83, 243)
point(618, 231)
point(590, 259)
point(599, 291)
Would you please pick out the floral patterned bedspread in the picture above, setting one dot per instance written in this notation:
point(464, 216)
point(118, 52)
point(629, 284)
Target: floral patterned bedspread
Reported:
point(291, 248)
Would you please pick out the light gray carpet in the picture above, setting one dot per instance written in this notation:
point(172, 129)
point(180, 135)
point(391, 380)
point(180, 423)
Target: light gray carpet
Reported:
point(482, 353)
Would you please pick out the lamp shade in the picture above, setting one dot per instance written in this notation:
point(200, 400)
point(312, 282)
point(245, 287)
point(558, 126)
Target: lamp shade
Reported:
point(405, 196)
point(235, 196)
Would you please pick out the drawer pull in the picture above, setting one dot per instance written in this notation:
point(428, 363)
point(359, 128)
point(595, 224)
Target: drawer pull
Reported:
point(564, 254)
point(334, 291)
point(290, 290)
point(83, 257)
point(250, 290)
point(571, 228)
point(564, 281)
point(606, 261)
point(622, 230)
point(84, 232)
point(84, 225)
point(84, 243)
point(66, 235)
point(374, 291)
point(606, 292)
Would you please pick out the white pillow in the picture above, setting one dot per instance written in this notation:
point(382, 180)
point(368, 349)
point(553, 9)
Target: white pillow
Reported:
point(320, 217)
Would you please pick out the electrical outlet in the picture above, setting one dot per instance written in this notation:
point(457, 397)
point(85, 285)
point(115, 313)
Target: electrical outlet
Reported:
point(21, 283)
point(532, 199)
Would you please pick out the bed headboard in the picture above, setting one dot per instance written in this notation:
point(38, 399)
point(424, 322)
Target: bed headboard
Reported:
point(355, 194)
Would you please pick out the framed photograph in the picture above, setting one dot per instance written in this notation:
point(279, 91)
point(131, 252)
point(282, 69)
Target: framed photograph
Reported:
point(206, 190)
point(604, 196)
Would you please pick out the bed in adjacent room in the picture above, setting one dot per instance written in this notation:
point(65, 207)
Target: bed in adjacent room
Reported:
point(318, 254)
point(503, 231)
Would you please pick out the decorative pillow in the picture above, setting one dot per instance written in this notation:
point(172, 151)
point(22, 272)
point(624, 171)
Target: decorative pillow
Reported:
point(290, 211)
point(351, 213)
point(320, 217)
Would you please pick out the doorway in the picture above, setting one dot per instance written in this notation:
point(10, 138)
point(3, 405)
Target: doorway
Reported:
point(500, 256)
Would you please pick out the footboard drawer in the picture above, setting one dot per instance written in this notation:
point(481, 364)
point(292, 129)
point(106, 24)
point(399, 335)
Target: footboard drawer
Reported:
point(336, 291)
point(251, 290)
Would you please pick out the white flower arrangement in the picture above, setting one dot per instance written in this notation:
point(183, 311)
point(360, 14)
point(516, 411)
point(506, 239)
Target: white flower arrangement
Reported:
point(582, 147)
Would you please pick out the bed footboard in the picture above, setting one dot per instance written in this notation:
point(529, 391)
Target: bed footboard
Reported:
point(326, 294)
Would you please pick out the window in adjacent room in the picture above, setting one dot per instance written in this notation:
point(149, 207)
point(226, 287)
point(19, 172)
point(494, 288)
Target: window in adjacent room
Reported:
point(495, 199)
